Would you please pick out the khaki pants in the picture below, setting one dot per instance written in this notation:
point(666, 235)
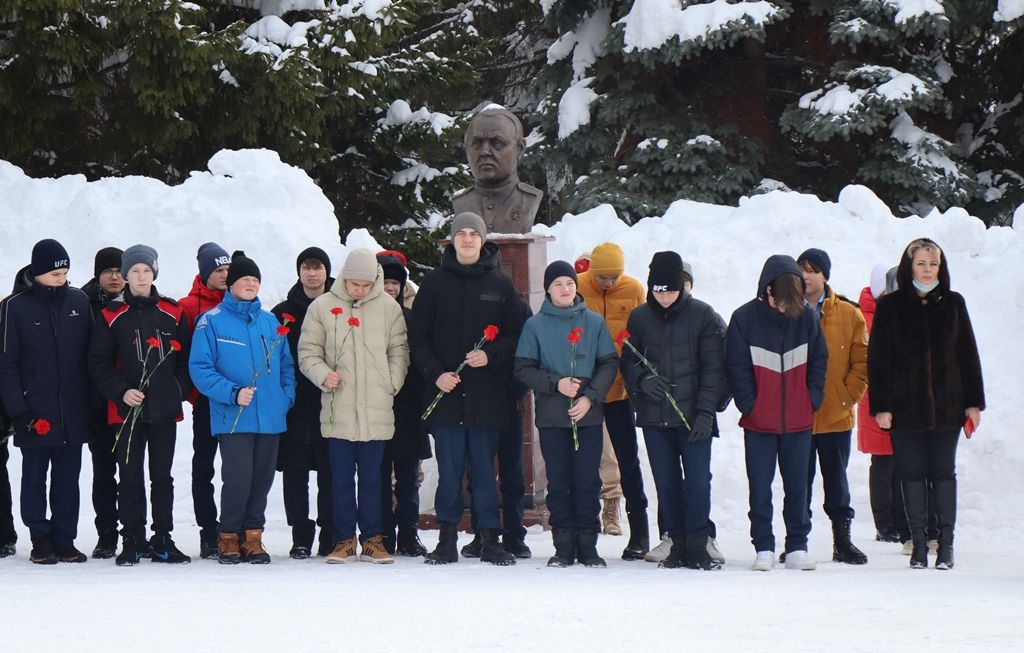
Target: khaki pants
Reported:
point(611, 487)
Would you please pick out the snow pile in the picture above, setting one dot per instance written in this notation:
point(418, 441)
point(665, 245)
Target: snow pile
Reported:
point(247, 200)
point(651, 23)
point(727, 247)
point(1009, 10)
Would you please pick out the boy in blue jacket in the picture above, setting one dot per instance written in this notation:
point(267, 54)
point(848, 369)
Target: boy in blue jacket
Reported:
point(241, 361)
point(545, 363)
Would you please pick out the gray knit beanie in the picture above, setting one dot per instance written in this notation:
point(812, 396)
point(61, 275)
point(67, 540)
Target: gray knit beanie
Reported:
point(361, 265)
point(469, 220)
point(139, 254)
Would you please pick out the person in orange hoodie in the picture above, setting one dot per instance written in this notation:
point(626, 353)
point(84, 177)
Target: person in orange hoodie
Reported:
point(613, 295)
point(207, 292)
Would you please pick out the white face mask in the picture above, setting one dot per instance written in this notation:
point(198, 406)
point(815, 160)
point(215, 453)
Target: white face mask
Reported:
point(926, 289)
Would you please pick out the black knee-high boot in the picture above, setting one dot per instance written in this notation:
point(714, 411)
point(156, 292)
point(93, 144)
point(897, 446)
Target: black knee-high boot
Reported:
point(945, 512)
point(915, 498)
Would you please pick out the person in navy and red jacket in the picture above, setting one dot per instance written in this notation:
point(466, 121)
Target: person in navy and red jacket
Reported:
point(207, 292)
point(120, 356)
point(44, 333)
point(775, 361)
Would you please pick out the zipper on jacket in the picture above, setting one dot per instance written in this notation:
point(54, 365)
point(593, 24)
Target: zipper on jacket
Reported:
point(56, 348)
point(782, 376)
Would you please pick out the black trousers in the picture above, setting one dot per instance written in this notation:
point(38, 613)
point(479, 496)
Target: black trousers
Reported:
point(295, 482)
point(832, 452)
point(204, 453)
point(886, 493)
point(928, 457)
point(621, 424)
point(7, 532)
point(104, 478)
point(64, 462)
point(511, 480)
point(158, 441)
point(403, 511)
point(248, 463)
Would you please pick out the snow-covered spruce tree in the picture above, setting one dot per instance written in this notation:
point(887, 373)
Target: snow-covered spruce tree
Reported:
point(649, 101)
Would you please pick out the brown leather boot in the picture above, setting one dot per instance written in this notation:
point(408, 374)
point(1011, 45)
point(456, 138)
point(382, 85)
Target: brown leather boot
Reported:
point(227, 549)
point(252, 549)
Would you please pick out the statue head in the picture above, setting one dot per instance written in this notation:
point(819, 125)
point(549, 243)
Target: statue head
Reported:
point(494, 144)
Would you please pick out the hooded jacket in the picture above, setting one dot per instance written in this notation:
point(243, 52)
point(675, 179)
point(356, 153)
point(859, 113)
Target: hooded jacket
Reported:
point(775, 365)
point(923, 364)
point(232, 343)
point(544, 356)
point(686, 343)
point(119, 356)
point(614, 306)
point(871, 439)
point(846, 378)
point(297, 450)
point(371, 358)
point(44, 337)
point(200, 299)
point(453, 306)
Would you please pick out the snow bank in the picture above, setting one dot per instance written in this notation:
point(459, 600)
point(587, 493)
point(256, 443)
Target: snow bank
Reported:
point(1008, 10)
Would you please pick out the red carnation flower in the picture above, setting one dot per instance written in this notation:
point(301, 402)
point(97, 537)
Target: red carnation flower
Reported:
point(175, 345)
point(337, 310)
point(153, 342)
point(574, 335)
point(288, 318)
point(283, 330)
point(353, 321)
point(490, 333)
point(41, 426)
point(623, 336)
point(581, 265)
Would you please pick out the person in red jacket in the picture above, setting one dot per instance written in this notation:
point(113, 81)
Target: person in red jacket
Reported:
point(207, 292)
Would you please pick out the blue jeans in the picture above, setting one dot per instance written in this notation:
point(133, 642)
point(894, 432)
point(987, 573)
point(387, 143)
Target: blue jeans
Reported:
point(832, 452)
point(790, 451)
point(454, 448)
point(347, 460)
point(574, 478)
point(684, 506)
point(64, 463)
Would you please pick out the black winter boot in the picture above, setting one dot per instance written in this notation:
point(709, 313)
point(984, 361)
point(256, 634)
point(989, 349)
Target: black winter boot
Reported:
point(106, 546)
point(68, 553)
point(472, 550)
point(919, 557)
point(491, 551)
point(945, 511)
point(130, 552)
point(446, 551)
point(843, 549)
point(408, 543)
point(42, 551)
point(677, 555)
point(565, 547)
point(586, 547)
point(516, 546)
point(639, 536)
point(208, 545)
point(164, 550)
point(915, 498)
point(698, 556)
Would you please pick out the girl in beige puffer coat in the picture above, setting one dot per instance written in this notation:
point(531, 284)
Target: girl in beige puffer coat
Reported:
point(354, 347)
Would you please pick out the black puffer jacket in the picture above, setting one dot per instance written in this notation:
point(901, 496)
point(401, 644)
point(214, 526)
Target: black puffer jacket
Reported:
point(454, 304)
point(923, 364)
point(119, 350)
point(98, 408)
point(44, 337)
point(300, 446)
point(411, 437)
point(686, 343)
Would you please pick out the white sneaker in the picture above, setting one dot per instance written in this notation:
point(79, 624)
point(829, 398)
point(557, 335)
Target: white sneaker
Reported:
point(714, 551)
point(799, 560)
point(660, 552)
point(765, 561)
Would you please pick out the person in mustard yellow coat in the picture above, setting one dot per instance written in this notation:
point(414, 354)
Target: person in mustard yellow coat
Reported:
point(846, 381)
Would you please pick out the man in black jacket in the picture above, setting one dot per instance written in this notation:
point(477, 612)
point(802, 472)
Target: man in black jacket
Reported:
point(105, 285)
point(683, 339)
point(44, 334)
point(8, 536)
point(456, 302)
point(302, 448)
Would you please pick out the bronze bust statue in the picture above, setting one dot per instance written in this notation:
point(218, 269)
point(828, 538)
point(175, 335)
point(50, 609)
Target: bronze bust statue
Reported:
point(494, 144)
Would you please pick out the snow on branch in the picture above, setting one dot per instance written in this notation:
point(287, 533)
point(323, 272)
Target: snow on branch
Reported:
point(652, 23)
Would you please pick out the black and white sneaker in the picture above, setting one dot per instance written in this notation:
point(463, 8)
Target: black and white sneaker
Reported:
point(164, 550)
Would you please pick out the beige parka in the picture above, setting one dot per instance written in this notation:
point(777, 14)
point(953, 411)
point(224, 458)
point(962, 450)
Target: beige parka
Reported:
point(372, 360)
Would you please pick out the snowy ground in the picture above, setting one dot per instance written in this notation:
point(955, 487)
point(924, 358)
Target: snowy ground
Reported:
point(250, 200)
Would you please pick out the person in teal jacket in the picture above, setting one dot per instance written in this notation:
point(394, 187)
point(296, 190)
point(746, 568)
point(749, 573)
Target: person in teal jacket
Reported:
point(241, 361)
point(566, 353)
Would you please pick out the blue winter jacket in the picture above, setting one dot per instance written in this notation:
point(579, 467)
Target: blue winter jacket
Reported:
point(544, 355)
point(231, 343)
point(44, 337)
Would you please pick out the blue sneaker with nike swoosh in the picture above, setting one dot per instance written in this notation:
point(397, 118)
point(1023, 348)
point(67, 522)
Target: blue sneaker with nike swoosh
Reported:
point(165, 551)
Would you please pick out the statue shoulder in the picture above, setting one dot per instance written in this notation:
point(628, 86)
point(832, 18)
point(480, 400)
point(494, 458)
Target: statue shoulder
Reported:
point(460, 193)
point(530, 190)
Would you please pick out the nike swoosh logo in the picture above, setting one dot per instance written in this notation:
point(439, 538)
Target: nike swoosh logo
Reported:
point(163, 556)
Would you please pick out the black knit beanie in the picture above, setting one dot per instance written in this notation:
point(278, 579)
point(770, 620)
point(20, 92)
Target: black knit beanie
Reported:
point(242, 266)
point(558, 269)
point(820, 260)
point(314, 253)
point(666, 272)
point(48, 255)
point(106, 259)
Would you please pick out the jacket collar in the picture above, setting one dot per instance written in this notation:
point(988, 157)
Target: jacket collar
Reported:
point(489, 258)
point(238, 307)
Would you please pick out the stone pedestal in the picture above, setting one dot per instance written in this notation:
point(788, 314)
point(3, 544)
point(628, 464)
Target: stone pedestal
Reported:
point(524, 259)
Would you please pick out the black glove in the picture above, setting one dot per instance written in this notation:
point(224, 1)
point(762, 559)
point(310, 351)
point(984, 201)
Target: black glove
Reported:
point(700, 430)
point(655, 386)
